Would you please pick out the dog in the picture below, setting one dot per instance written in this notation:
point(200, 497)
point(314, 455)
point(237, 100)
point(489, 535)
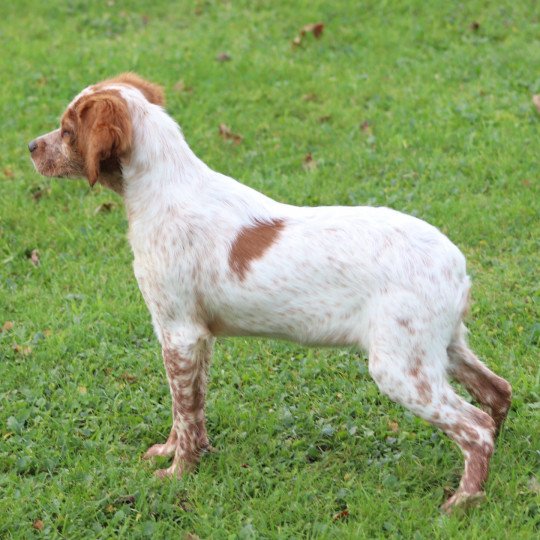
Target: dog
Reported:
point(213, 257)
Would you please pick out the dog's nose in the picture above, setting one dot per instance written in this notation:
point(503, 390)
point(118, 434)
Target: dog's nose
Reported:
point(32, 145)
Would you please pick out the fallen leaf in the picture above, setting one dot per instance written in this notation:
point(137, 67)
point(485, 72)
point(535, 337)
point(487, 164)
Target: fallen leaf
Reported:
point(7, 326)
point(38, 525)
point(536, 101)
point(38, 192)
point(526, 183)
point(534, 485)
point(309, 163)
point(475, 26)
point(223, 57)
point(126, 499)
point(344, 514)
point(365, 126)
point(8, 173)
point(23, 350)
point(191, 536)
point(393, 426)
point(33, 255)
point(105, 207)
point(316, 29)
point(181, 87)
point(228, 135)
point(324, 119)
point(128, 377)
point(82, 390)
point(448, 491)
point(310, 97)
point(184, 504)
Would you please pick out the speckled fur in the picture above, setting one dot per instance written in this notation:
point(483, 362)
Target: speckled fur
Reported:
point(215, 257)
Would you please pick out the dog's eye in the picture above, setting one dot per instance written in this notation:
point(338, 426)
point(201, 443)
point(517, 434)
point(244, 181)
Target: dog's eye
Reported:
point(65, 133)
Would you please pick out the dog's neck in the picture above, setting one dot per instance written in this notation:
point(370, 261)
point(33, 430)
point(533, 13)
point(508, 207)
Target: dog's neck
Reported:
point(161, 165)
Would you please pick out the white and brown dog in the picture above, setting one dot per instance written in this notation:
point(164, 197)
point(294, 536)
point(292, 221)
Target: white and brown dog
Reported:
point(213, 258)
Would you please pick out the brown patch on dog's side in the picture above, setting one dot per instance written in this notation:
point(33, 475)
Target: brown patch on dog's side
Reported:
point(251, 244)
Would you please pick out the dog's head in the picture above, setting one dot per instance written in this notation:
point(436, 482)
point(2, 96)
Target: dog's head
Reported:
point(95, 134)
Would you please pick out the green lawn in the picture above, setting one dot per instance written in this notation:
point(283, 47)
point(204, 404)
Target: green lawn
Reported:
point(406, 104)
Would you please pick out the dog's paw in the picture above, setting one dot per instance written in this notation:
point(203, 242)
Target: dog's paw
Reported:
point(462, 502)
point(176, 470)
point(170, 472)
point(160, 450)
point(208, 449)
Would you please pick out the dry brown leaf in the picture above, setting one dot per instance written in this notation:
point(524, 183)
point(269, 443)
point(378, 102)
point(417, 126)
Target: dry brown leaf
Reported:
point(309, 163)
point(7, 326)
point(475, 26)
point(104, 207)
point(8, 173)
point(393, 426)
point(38, 525)
point(536, 101)
point(534, 485)
point(365, 126)
point(315, 28)
point(128, 377)
point(33, 255)
point(191, 536)
point(344, 514)
point(23, 350)
point(39, 192)
point(228, 135)
point(181, 87)
point(324, 119)
point(310, 97)
point(126, 499)
point(82, 390)
point(223, 57)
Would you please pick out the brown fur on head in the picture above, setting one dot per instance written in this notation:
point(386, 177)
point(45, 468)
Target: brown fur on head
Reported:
point(95, 136)
point(103, 130)
point(152, 92)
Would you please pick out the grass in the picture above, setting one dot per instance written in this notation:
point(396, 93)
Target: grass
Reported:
point(405, 104)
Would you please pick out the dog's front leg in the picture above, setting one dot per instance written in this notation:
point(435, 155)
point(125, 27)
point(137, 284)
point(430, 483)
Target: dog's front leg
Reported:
point(186, 356)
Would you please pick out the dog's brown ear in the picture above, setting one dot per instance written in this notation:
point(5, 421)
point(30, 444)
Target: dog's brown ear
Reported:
point(104, 131)
point(152, 92)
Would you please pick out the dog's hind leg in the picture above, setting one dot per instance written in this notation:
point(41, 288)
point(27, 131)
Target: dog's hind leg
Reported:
point(410, 367)
point(492, 392)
